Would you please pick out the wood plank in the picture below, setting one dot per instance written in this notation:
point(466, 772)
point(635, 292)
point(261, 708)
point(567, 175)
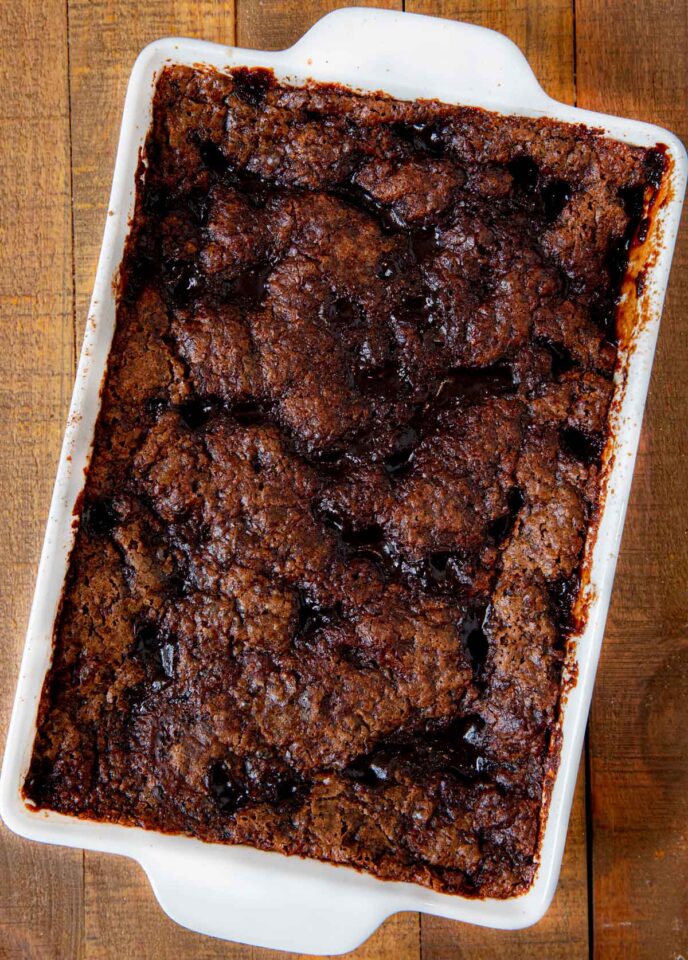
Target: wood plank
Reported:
point(544, 32)
point(40, 890)
point(275, 25)
point(543, 29)
point(639, 737)
point(562, 935)
point(397, 939)
point(105, 37)
point(122, 918)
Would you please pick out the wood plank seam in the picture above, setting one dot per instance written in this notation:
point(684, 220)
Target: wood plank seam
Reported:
point(70, 138)
point(75, 350)
point(588, 845)
point(575, 58)
point(586, 743)
point(40, 889)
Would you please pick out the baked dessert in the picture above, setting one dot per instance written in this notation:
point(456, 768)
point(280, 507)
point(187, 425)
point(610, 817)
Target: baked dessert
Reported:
point(346, 462)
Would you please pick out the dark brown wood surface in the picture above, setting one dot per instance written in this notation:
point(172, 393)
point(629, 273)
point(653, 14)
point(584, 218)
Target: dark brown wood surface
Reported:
point(64, 67)
point(639, 726)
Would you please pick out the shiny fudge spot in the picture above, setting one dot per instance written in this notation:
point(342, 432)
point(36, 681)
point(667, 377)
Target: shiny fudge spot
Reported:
point(198, 206)
point(603, 315)
point(144, 270)
point(311, 616)
point(252, 186)
point(502, 527)
point(415, 308)
point(100, 517)
point(358, 198)
point(472, 728)
point(424, 137)
point(399, 461)
point(562, 360)
point(617, 257)
point(448, 749)
point(329, 458)
point(391, 266)
point(655, 164)
point(183, 281)
point(343, 312)
point(249, 286)
point(227, 793)
point(438, 565)
point(155, 405)
point(156, 201)
point(251, 86)
point(445, 748)
point(384, 382)
point(363, 537)
point(372, 771)
point(213, 158)
point(525, 173)
point(424, 243)
point(154, 650)
point(585, 447)
point(471, 384)
point(177, 585)
point(331, 520)
point(563, 592)
point(555, 196)
point(357, 658)
point(249, 413)
point(197, 411)
point(447, 573)
point(147, 639)
point(642, 235)
point(279, 788)
point(474, 638)
point(633, 199)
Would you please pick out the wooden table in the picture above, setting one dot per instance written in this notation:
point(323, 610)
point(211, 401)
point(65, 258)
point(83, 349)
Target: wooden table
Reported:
point(64, 66)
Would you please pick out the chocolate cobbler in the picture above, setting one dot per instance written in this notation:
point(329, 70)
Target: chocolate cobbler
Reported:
point(348, 454)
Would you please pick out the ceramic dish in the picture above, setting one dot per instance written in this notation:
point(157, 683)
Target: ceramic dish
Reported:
point(239, 893)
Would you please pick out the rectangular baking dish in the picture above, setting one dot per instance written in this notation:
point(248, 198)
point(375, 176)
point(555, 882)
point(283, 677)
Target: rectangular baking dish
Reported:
point(240, 893)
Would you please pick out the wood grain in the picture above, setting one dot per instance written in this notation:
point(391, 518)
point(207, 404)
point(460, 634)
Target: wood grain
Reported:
point(40, 896)
point(122, 918)
point(270, 25)
point(64, 67)
point(105, 37)
point(267, 25)
point(639, 736)
point(544, 31)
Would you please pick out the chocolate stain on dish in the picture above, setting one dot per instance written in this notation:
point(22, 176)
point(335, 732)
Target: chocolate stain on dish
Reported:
point(320, 477)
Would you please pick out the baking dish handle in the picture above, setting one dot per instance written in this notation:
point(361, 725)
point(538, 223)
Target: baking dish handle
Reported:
point(475, 64)
point(290, 904)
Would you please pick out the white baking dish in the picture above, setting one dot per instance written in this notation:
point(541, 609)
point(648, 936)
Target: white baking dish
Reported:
point(236, 892)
